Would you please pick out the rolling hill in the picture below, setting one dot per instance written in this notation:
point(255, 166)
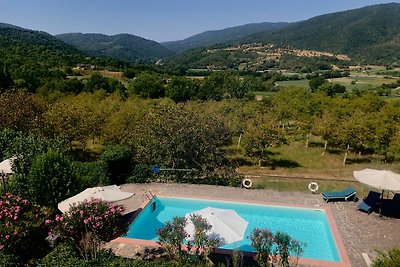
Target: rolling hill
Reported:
point(19, 46)
point(124, 47)
point(369, 34)
point(210, 38)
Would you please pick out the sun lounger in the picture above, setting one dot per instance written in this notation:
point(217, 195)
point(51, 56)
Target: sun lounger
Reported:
point(391, 207)
point(347, 194)
point(369, 203)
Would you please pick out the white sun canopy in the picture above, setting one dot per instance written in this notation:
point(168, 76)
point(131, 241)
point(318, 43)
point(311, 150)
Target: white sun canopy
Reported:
point(109, 193)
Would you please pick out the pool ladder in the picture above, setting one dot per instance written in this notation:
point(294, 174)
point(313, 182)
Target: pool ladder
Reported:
point(147, 194)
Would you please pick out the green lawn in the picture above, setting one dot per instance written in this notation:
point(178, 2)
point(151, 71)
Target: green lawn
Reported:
point(295, 160)
point(298, 83)
point(362, 83)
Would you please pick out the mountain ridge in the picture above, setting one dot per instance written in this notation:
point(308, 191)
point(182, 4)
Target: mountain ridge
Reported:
point(213, 37)
point(123, 46)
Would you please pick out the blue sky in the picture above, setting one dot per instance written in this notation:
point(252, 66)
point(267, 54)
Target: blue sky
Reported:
point(161, 20)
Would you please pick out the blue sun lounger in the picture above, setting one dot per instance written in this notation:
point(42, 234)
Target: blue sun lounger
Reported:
point(391, 207)
point(370, 202)
point(347, 194)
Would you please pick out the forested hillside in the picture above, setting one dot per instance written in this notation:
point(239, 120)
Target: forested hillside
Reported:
point(370, 34)
point(224, 36)
point(125, 47)
point(32, 58)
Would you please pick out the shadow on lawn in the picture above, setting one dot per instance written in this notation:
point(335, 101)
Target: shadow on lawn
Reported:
point(283, 163)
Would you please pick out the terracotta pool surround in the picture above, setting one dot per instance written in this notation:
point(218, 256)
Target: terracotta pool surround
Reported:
point(345, 261)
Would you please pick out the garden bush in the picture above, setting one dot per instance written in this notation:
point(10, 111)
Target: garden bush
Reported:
point(279, 248)
point(62, 255)
point(23, 229)
point(91, 174)
point(387, 259)
point(141, 174)
point(90, 223)
point(173, 234)
point(51, 179)
point(119, 162)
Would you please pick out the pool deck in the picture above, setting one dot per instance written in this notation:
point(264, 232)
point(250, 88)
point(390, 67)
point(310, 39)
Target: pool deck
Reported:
point(361, 234)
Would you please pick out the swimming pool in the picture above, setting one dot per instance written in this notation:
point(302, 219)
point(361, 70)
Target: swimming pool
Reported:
point(304, 224)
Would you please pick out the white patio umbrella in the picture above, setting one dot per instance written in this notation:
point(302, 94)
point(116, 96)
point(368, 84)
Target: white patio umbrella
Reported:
point(226, 224)
point(380, 179)
point(5, 165)
point(111, 193)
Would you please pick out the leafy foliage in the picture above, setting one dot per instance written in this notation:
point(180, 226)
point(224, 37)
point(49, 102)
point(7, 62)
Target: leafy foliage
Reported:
point(262, 241)
point(48, 172)
point(22, 230)
point(27, 148)
point(91, 174)
point(388, 258)
point(147, 85)
point(172, 235)
point(278, 248)
point(88, 224)
point(119, 162)
point(141, 174)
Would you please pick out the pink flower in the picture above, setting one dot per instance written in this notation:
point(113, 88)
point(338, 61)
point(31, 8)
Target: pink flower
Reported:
point(85, 221)
point(47, 222)
point(7, 236)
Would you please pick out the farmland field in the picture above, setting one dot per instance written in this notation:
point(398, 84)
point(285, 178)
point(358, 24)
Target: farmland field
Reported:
point(362, 82)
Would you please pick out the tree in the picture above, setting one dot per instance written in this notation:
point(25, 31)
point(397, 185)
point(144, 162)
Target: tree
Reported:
point(51, 179)
point(6, 81)
point(331, 89)
point(119, 163)
point(261, 134)
point(28, 148)
point(316, 82)
point(181, 89)
point(97, 82)
point(76, 118)
point(20, 110)
point(212, 87)
point(147, 85)
point(174, 136)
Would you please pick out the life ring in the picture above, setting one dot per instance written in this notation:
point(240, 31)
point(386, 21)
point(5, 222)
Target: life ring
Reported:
point(313, 187)
point(247, 183)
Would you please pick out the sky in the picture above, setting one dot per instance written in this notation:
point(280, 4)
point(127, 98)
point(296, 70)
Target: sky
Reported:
point(162, 20)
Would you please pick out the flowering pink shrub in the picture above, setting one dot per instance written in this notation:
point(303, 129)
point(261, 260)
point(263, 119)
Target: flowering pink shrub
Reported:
point(272, 248)
point(262, 240)
point(21, 224)
point(172, 235)
point(102, 219)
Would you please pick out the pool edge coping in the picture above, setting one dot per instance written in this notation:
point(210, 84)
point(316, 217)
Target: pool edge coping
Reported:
point(345, 261)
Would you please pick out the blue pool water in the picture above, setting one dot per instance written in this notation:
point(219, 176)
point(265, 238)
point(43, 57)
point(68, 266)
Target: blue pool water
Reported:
point(303, 224)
